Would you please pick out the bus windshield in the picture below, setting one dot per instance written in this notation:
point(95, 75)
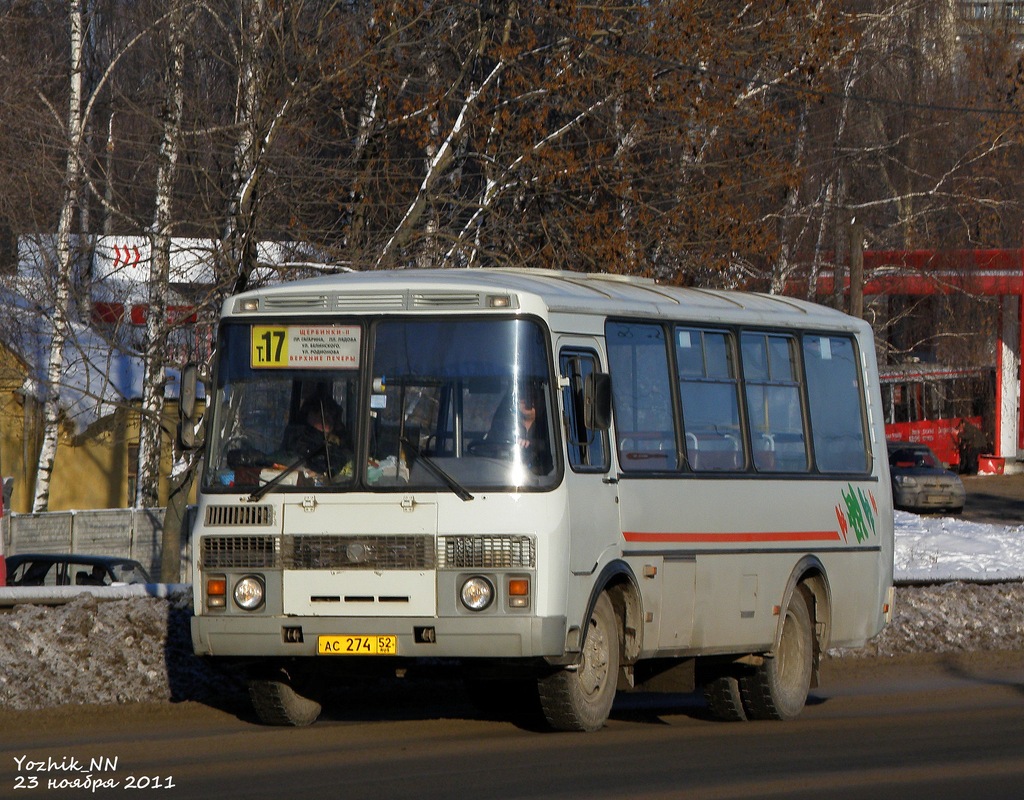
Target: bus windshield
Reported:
point(397, 404)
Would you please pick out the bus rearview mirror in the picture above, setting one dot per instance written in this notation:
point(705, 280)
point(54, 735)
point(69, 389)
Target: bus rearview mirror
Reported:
point(189, 436)
point(597, 401)
point(188, 391)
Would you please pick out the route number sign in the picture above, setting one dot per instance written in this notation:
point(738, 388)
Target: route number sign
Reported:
point(305, 346)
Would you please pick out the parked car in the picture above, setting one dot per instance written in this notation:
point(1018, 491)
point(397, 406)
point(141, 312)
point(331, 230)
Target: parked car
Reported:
point(47, 569)
point(920, 482)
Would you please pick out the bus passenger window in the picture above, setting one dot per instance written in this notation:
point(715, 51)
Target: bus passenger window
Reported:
point(837, 404)
point(709, 391)
point(641, 397)
point(774, 403)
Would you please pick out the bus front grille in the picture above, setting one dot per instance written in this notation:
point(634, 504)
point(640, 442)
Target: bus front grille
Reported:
point(240, 552)
point(486, 552)
point(360, 552)
point(318, 551)
point(369, 552)
point(239, 515)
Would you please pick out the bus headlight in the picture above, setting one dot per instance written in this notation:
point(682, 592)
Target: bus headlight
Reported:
point(249, 593)
point(477, 593)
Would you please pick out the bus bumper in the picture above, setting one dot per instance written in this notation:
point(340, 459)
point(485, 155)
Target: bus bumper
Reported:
point(462, 637)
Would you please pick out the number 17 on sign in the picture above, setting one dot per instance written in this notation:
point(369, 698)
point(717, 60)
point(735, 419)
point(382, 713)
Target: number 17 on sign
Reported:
point(269, 346)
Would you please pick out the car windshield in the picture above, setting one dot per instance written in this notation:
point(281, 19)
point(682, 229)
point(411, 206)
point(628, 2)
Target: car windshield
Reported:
point(907, 458)
point(441, 405)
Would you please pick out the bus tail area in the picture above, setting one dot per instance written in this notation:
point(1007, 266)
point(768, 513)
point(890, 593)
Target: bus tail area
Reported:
point(566, 485)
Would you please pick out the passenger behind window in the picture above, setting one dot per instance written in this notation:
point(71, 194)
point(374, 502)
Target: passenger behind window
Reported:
point(95, 578)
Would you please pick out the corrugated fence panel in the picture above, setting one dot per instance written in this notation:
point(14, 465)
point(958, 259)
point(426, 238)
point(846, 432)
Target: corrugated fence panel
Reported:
point(105, 532)
point(41, 533)
point(129, 533)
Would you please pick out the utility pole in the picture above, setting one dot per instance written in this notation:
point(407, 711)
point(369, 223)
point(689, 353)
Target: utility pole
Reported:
point(856, 270)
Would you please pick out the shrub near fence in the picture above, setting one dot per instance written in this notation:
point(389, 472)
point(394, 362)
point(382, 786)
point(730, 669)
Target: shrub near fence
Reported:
point(124, 532)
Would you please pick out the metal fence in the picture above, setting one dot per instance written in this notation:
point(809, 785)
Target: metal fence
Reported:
point(124, 532)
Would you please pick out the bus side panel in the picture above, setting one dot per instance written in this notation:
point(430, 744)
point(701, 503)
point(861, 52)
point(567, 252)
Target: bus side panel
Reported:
point(734, 544)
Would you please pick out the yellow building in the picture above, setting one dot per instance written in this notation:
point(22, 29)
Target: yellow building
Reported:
point(95, 463)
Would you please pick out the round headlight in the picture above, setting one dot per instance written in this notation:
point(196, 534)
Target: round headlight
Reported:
point(477, 593)
point(249, 593)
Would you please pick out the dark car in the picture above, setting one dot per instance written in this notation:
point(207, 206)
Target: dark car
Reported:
point(48, 569)
point(920, 482)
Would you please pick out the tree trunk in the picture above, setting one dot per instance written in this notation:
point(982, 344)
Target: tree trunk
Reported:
point(147, 493)
point(62, 294)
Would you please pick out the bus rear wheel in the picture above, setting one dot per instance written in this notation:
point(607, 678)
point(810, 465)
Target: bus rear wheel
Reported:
point(777, 689)
point(580, 698)
point(277, 703)
point(725, 698)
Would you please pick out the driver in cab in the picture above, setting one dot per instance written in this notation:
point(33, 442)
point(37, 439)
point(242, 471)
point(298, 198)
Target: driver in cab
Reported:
point(321, 441)
point(526, 429)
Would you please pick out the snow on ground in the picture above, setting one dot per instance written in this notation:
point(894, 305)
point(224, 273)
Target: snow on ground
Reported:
point(946, 548)
point(127, 651)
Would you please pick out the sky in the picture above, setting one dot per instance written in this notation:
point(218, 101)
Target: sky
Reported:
point(946, 548)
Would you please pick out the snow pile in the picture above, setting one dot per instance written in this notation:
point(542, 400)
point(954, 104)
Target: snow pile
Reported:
point(129, 651)
point(950, 617)
point(89, 651)
point(139, 650)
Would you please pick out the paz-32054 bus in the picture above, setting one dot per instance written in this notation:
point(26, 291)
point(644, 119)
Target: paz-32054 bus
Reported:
point(576, 483)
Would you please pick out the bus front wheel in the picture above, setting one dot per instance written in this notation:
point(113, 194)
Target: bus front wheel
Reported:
point(778, 688)
point(580, 698)
point(277, 703)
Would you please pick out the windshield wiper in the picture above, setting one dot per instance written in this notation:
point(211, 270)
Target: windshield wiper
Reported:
point(259, 493)
point(437, 471)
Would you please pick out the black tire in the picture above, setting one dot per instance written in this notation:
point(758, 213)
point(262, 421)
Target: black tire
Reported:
point(725, 699)
point(580, 698)
point(777, 689)
point(277, 703)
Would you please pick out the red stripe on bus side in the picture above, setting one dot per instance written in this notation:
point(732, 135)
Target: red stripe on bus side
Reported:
point(752, 536)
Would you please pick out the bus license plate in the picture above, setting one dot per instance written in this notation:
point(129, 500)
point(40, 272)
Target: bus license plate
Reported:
point(357, 645)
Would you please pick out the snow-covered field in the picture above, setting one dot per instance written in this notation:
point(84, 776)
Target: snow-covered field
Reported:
point(946, 548)
point(140, 650)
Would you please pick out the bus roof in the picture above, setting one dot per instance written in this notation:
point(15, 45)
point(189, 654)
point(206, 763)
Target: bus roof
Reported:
point(439, 290)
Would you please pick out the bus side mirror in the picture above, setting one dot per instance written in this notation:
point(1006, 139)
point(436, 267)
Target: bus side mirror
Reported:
point(188, 392)
point(597, 401)
point(188, 436)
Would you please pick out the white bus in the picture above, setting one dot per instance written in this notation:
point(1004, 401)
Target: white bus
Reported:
point(575, 483)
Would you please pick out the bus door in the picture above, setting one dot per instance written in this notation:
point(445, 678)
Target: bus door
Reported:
point(656, 507)
point(593, 512)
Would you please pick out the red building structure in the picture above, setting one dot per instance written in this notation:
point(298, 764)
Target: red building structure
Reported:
point(982, 273)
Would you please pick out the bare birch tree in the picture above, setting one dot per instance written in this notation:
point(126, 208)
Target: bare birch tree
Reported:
point(73, 132)
point(155, 348)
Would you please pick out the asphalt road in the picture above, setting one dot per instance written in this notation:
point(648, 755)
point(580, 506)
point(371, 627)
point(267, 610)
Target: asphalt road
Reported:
point(925, 726)
point(995, 499)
